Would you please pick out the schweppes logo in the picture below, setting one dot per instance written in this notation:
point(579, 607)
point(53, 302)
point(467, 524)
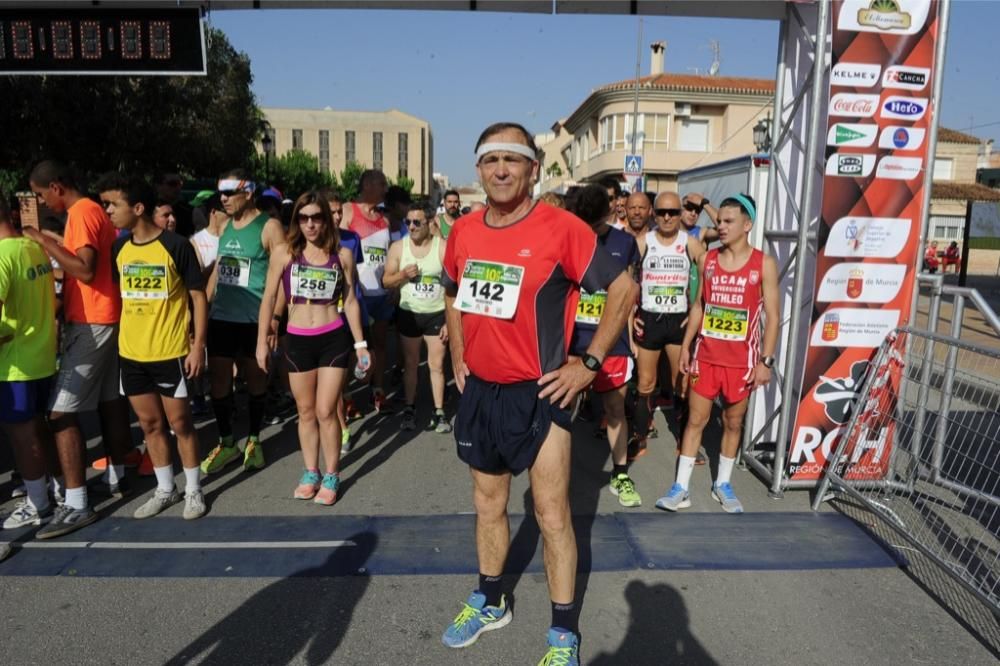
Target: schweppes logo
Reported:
point(884, 15)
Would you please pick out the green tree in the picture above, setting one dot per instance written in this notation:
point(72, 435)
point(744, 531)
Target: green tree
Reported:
point(350, 180)
point(193, 125)
point(298, 171)
point(405, 182)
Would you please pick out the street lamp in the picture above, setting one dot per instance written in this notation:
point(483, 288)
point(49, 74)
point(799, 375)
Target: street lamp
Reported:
point(267, 143)
point(762, 135)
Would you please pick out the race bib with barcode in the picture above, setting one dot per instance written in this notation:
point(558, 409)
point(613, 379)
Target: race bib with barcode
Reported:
point(490, 289)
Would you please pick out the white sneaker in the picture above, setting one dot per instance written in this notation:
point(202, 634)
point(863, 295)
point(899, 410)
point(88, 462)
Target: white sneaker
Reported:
point(194, 505)
point(25, 514)
point(159, 502)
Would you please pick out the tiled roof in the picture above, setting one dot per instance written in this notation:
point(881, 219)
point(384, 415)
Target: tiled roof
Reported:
point(949, 189)
point(696, 83)
point(954, 136)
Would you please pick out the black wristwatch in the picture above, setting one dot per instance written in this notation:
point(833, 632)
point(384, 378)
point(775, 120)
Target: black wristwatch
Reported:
point(767, 362)
point(591, 362)
point(704, 202)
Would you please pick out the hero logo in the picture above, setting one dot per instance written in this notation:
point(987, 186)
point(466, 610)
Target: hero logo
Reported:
point(904, 108)
point(906, 78)
point(896, 137)
point(850, 165)
point(857, 106)
point(855, 75)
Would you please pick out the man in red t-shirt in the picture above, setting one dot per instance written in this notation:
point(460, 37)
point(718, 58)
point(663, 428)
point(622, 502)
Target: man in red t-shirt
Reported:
point(512, 275)
point(738, 283)
point(88, 372)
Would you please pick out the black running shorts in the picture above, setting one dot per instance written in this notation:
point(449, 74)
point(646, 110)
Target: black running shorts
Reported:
point(501, 427)
point(326, 350)
point(660, 330)
point(165, 378)
point(418, 324)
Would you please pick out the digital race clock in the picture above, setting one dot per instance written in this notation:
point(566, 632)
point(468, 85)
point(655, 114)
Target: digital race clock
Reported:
point(102, 41)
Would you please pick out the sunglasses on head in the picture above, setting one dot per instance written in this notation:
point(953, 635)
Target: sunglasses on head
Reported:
point(306, 217)
point(668, 212)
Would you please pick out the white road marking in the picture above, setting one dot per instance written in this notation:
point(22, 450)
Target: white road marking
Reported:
point(185, 545)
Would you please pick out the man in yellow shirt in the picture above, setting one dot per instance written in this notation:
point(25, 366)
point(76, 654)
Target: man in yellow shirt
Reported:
point(157, 271)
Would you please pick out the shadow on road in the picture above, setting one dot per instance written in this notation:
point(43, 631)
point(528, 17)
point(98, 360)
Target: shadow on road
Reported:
point(658, 630)
point(250, 634)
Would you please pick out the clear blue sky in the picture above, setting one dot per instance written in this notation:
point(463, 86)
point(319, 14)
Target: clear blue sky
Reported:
point(463, 70)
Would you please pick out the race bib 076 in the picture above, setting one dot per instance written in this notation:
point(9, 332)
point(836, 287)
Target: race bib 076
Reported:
point(234, 271)
point(724, 323)
point(665, 299)
point(490, 289)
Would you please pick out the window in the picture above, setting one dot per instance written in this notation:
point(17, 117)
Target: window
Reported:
point(377, 150)
point(944, 168)
point(350, 154)
point(615, 132)
point(324, 151)
point(692, 135)
point(296, 139)
point(946, 227)
point(404, 155)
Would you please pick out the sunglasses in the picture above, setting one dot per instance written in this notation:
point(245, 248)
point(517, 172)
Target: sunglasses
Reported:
point(230, 193)
point(305, 217)
point(693, 207)
point(414, 223)
point(668, 212)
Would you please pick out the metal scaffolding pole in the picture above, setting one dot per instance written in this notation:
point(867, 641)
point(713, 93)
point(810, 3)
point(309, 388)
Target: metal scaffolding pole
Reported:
point(788, 392)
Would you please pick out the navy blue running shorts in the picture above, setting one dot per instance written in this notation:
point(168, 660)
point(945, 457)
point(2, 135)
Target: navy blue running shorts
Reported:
point(501, 427)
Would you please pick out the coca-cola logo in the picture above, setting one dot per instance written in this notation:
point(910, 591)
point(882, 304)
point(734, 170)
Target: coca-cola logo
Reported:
point(859, 106)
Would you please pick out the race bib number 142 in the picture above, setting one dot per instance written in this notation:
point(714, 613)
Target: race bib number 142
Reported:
point(490, 289)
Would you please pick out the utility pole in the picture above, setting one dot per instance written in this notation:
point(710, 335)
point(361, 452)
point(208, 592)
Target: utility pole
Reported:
point(635, 108)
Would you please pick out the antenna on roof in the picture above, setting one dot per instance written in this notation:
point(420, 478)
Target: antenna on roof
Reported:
point(716, 57)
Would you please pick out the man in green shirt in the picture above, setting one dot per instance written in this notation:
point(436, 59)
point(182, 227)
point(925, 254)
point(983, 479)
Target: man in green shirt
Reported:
point(27, 362)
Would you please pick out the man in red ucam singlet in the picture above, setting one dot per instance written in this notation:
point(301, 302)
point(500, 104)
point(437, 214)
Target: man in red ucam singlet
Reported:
point(738, 282)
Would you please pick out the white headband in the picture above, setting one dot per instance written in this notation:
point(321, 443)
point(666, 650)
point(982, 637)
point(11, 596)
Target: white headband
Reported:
point(518, 148)
point(230, 184)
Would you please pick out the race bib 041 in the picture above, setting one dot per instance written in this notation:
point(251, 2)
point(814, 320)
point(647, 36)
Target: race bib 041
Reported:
point(490, 289)
point(234, 271)
point(375, 255)
point(724, 323)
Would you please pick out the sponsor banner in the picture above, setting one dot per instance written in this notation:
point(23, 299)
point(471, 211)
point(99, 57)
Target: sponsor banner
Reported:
point(855, 75)
point(861, 283)
point(853, 327)
point(904, 108)
point(868, 237)
point(897, 137)
point(889, 17)
point(906, 78)
point(899, 168)
point(851, 165)
point(867, 256)
point(855, 106)
point(852, 135)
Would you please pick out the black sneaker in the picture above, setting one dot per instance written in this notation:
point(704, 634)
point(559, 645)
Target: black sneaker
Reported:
point(118, 490)
point(409, 419)
point(66, 519)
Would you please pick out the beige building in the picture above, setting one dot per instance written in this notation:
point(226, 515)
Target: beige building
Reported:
point(394, 142)
point(954, 184)
point(684, 121)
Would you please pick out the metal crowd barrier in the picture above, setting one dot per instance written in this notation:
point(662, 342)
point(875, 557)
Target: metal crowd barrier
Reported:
point(922, 453)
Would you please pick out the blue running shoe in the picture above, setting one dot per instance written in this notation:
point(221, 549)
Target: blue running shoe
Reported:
point(475, 618)
point(564, 649)
point(676, 498)
point(723, 493)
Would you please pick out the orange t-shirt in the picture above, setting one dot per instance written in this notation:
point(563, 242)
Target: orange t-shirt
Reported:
point(98, 302)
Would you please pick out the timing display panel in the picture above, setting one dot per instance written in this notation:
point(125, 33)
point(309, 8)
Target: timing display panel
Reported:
point(133, 42)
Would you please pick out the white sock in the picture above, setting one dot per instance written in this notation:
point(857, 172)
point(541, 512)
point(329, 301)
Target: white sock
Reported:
point(115, 473)
point(56, 485)
point(38, 493)
point(725, 469)
point(76, 498)
point(164, 478)
point(193, 477)
point(685, 465)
